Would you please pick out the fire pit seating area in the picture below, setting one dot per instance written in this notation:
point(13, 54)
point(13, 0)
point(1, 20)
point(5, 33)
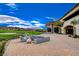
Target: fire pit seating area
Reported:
point(34, 39)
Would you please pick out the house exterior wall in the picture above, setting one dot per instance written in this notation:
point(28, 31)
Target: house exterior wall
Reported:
point(68, 22)
point(77, 29)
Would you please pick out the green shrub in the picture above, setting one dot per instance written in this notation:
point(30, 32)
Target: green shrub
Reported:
point(2, 47)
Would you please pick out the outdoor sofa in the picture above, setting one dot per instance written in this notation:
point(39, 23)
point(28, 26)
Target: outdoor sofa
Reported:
point(39, 39)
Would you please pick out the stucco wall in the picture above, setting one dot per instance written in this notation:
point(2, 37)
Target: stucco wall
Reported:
point(68, 22)
point(77, 29)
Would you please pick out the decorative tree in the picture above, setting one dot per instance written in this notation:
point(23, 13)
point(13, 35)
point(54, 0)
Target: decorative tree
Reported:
point(74, 22)
point(58, 23)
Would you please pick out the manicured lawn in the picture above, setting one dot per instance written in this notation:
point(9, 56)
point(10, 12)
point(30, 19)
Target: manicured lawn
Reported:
point(5, 36)
point(11, 34)
point(33, 32)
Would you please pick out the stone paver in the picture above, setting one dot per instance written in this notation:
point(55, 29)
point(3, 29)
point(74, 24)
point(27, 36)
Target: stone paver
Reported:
point(59, 45)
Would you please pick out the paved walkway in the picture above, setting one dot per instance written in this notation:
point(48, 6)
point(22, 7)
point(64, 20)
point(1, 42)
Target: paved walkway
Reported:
point(59, 45)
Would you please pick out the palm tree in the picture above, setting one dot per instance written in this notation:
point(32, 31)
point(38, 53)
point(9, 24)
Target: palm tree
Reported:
point(74, 22)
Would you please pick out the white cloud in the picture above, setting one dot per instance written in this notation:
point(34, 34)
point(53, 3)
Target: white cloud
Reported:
point(36, 26)
point(8, 19)
point(12, 6)
point(12, 12)
point(49, 17)
point(16, 22)
point(52, 18)
point(12, 20)
point(23, 26)
point(35, 21)
point(39, 25)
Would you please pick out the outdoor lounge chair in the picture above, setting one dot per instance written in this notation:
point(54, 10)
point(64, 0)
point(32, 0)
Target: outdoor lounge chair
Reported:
point(24, 38)
point(39, 39)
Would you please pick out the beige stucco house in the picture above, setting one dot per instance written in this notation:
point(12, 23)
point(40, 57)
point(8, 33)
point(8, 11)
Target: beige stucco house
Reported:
point(70, 23)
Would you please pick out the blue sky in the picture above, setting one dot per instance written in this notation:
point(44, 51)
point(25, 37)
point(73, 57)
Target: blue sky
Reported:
point(31, 15)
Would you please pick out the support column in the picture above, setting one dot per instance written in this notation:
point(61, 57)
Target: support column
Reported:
point(53, 30)
point(74, 31)
point(59, 30)
point(63, 31)
point(46, 29)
